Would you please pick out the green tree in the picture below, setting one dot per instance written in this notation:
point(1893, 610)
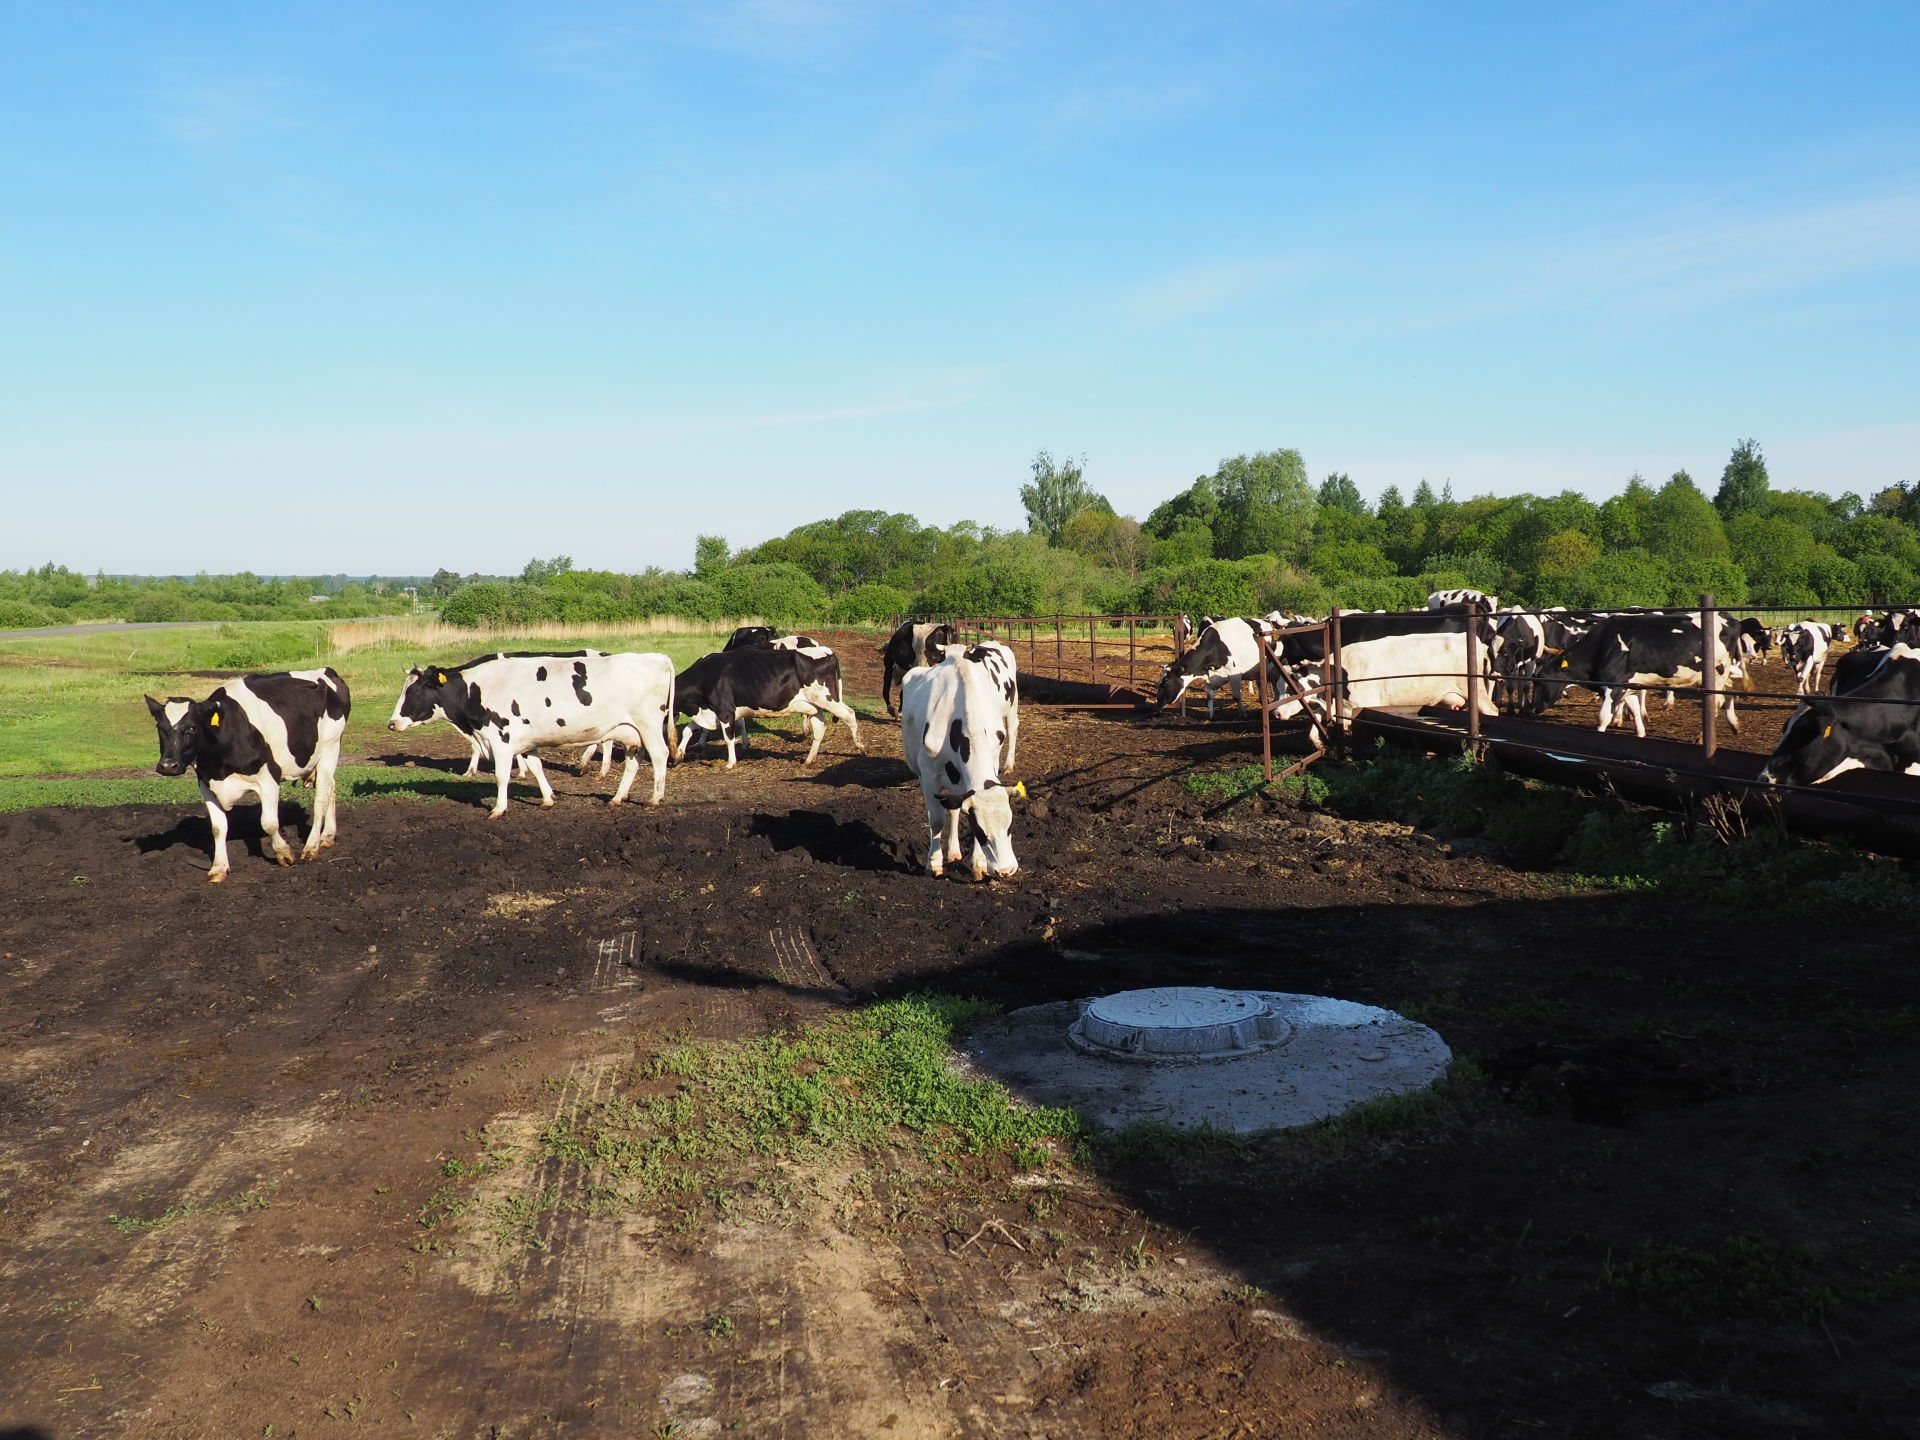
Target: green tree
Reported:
point(1337, 492)
point(1681, 525)
point(1058, 492)
point(1266, 505)
point(1743, 484)
point(1623, 517)
point(710, 555)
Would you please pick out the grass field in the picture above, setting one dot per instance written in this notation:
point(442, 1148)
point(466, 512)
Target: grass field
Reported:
point(70, 705)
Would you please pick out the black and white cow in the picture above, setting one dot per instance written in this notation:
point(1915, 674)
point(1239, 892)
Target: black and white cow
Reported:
point(1901, 626)
point(1388, 660)
point(954, 718)
point(914, 644)
point(1227, 653)
point(1003, 669)
point(524, 765)
point(1654, 651)
point(750, 636)
point(1521, 644)
point(1828, 736)
point(1866, 630)
point(249, 737)
point(720, 691)
point(514, 704)
point(1472, 599)
point(1804, 645)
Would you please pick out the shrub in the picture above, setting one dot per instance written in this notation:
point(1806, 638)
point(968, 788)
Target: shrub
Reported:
point(865, 604)
point(262, 649)
point(494, 603)
point(25, 615)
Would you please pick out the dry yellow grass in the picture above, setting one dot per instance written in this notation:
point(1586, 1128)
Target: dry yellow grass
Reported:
point(351, 635)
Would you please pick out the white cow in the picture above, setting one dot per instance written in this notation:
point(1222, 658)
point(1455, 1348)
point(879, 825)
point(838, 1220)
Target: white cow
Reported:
point(954, 717)
point(514, 704)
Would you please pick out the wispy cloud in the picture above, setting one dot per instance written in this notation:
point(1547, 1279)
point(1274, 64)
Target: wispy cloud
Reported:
point(226, 112)
point(961, 387)
point(1697, 257)
point(1202, 289)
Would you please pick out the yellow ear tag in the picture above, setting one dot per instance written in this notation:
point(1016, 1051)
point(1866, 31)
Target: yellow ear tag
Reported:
point(214, 718)
point(1020, 789)
point(440, 678)
point(1824, 734)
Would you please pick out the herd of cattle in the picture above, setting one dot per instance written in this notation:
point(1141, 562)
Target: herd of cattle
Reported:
point(959, 707)
point(959, 726)
point(1526, 661)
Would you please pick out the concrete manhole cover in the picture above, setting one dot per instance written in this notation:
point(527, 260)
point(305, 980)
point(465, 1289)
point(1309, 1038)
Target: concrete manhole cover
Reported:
point(1179, 1023)
point(1238, 1060)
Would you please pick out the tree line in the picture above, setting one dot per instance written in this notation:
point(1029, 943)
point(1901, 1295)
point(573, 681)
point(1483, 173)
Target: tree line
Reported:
point(55, 595)
point(1257, 534)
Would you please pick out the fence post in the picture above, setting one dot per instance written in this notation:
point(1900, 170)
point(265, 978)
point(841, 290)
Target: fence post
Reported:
point(1709, 646)
point(1059, 646)
point(1093, 653)
point(1472, 678)
point(1335, 687)
point(1132, 683)
point(1266, 711)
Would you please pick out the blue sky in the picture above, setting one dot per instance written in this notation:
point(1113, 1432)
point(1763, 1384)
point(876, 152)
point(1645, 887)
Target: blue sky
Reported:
point(378, 287)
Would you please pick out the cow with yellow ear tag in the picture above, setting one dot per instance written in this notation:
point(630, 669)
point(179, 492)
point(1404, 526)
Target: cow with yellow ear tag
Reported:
point(248, 738)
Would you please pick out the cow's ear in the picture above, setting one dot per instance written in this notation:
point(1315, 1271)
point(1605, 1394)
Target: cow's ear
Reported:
point(154, 706)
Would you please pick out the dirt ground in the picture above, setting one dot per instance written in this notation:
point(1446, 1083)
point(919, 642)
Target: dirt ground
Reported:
point(1684, 1205)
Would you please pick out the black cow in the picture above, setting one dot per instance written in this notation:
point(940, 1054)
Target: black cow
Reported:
point(914, 644)
point(721, 690)
point(248, 737)
point(749, 637)
point(1828, 736)
point(1622, 652)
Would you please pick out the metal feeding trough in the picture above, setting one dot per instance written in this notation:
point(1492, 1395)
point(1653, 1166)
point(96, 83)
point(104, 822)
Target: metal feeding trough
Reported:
point(1237, 1060)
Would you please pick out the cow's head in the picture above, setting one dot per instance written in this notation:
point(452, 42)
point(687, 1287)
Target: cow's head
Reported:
point(181, 723)
point(934, 648)
point(993, 831)
point(1174, 681)
point(421, 699)
point(1813, 748)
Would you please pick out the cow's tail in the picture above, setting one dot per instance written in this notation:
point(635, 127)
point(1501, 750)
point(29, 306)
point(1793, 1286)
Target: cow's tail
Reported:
point(672, 711)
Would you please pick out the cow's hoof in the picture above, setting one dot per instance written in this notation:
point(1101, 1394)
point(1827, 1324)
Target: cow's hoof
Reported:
point(495, 814)
point(216, 876)
point(283, 860)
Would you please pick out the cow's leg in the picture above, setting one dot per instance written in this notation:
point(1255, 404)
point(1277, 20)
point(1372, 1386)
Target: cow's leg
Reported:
point(1013, 733)
point(538, 771)
point(817, 730)
point(502, 777)
point(953, 835)
point(217, 818)
point(886, 690)
point(844, 714)
point(686, 739)
point(726, 732)
point(473, 757)
point(1607, 697)
point(1732, 719)
point(657, 743)
point(936, 837)
point(1637, 707)
point(269, 791)
point(632, 768)
point(320, 828)
point(606, 757)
